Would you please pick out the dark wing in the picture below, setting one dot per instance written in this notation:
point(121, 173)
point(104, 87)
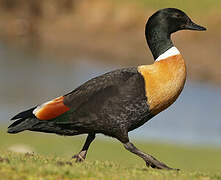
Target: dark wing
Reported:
point(106, 85)
point(114, 99)
point(114, 96)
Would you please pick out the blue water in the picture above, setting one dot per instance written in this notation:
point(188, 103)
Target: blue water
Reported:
point(27, 80)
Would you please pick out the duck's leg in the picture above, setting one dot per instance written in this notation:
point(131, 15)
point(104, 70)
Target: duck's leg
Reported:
point(80, 157)
point(150, 160)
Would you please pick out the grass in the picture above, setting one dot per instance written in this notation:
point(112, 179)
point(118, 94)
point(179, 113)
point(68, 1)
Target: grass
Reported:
point(107, 159)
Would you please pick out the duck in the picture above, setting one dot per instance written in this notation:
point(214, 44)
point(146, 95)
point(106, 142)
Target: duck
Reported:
point(122, 100)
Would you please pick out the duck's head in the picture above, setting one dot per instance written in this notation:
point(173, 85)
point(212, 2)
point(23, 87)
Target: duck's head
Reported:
point(172, 20)
point(162, 24)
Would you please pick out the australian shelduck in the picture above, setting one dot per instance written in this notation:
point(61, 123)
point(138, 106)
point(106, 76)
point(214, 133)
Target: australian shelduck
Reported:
point(122, 100)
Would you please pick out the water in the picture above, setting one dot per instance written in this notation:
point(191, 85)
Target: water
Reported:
point(27, 80)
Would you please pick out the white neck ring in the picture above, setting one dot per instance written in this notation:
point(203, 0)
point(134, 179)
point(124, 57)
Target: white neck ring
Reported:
point(170, 52)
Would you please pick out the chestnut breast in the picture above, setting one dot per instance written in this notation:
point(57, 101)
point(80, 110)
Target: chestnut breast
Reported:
point(164, 81)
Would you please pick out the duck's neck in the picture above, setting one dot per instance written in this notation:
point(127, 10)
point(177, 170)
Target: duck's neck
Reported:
point(158, 39)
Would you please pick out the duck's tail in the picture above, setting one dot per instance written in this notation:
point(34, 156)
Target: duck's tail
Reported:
point(24, 121)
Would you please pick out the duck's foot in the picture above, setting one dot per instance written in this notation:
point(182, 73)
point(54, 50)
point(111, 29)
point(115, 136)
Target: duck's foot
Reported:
point(150, 160)
point(154, 163)
point(80, 157)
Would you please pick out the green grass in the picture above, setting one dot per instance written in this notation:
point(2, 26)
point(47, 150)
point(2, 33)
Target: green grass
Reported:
point(107, 159)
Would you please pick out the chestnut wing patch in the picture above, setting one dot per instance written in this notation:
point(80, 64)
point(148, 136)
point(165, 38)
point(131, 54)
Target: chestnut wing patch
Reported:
point(51, 109)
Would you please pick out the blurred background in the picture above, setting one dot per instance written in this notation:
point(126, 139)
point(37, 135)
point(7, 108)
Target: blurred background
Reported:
point(50, 47)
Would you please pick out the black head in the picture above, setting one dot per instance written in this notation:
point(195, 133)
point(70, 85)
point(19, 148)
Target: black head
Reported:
point(162, 24)
point(172, 20)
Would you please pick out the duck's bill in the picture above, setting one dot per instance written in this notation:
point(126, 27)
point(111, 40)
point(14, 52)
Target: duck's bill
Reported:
point(193, 26)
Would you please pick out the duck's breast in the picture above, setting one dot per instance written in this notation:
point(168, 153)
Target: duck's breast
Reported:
point(164, 81)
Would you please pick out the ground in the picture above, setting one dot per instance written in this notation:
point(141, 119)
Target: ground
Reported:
point(49, 157)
